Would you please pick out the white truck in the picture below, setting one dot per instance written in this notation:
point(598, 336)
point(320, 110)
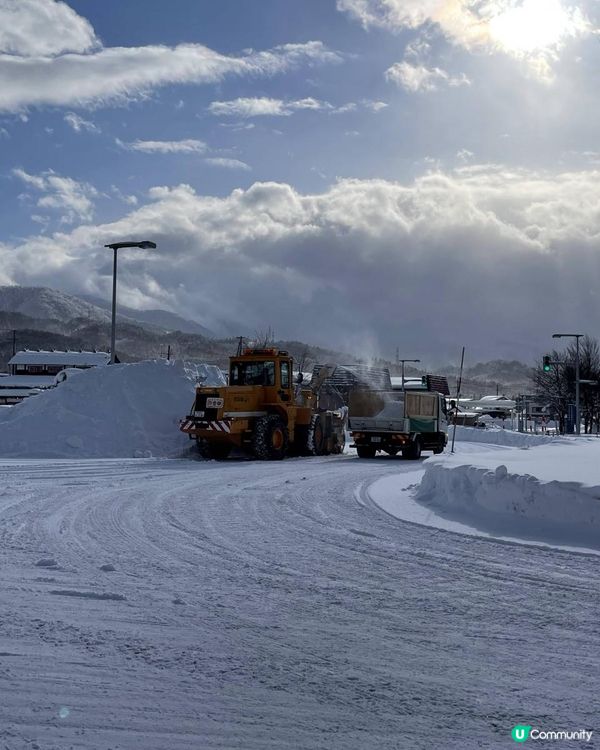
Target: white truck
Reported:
point(397, 421)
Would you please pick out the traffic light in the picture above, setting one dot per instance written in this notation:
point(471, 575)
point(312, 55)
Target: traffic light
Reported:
point(546, 363)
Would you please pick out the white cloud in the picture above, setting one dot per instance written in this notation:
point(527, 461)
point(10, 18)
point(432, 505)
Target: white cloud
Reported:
point(186, 146)
point(420, 78)
point(227, 163)
point(375, 106)
point(43, 27)
point(72, 199)
point(531, 30)
point(49, 55)
point(130, 200)
point(79, 123)
point(487, 255)
point(264, 107)
point(464, 155)
point(368, 104)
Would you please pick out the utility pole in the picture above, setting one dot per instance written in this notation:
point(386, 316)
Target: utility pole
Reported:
point(458, 387)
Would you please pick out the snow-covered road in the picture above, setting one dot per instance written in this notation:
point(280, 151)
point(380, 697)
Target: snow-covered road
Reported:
point(258, 605)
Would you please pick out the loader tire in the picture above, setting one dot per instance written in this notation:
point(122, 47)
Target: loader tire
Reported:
point(316, 444)
point(366, 451)
point(270, 438)
point(216, 451)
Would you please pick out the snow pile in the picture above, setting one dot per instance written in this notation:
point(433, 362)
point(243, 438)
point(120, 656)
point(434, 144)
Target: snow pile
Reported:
point(499, 437)
point(129, 410)
point(203, 374)
point(548, 493)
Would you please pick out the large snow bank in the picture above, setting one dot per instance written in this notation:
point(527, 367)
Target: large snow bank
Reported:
point(548, 493)
point(124, 410)
point(498, 437)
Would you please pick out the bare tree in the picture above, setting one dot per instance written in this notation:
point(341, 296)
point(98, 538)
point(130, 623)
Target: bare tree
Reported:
point(552, 386)
point(589, 369)
point(557, 386)
point(264, 339)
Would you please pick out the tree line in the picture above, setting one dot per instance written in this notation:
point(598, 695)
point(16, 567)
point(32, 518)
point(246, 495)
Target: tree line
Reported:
point(556, 387)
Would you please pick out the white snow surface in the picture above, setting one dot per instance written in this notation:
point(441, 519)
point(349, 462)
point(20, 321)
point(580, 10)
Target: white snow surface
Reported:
point(169, 605)
point(129, 410)
point(548, 494)
point(498, 436)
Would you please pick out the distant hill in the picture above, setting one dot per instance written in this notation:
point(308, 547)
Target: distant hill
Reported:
point(43, 303)
point(47, 318)
point(51, 304)
point(508, 377)
point(163, 319)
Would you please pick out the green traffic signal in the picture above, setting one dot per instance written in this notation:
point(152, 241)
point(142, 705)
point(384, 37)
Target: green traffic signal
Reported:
point(546, 364)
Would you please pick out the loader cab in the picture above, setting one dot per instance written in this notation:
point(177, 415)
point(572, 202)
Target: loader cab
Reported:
point(268, 368)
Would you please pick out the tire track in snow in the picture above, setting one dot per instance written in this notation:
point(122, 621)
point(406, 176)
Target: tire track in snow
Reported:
point(307, 619)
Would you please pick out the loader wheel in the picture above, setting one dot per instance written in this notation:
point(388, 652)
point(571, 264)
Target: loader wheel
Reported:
point(216, 451)
point(270, 438)
point(316, 443)
point(366, 451)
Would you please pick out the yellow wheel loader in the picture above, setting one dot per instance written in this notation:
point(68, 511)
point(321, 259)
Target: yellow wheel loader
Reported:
point(263, 413)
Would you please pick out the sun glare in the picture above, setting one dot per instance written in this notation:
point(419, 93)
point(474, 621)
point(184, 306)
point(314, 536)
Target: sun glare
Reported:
point(533, 26)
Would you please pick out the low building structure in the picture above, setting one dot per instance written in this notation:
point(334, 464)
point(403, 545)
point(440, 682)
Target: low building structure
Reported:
point(31, 370)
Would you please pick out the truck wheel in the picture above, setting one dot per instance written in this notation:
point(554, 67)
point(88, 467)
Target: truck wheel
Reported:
point(340, 444)
point(270, 438)
point(413, 452)
point(316, 443)
point(365, 451)
point(216, 451)
point(439, 449)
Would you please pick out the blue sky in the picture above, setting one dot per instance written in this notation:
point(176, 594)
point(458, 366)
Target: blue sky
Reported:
point(345, 158)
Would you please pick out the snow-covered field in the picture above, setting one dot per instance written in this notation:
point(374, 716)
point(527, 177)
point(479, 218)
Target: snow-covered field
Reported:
point(170, 604)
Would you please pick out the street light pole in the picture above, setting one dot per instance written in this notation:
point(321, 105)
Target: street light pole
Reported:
point(113, 328)
point(114, 246)
point(402, 361)
point(575, 336)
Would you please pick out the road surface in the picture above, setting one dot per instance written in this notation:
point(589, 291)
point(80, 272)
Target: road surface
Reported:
point(171, 605)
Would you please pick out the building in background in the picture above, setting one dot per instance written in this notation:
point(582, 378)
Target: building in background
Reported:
point(31, 371)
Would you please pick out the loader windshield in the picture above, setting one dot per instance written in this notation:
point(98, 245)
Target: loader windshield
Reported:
point(252, 373)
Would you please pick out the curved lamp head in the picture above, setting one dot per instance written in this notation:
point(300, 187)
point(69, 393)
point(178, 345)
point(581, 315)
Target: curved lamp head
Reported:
point(143, 245)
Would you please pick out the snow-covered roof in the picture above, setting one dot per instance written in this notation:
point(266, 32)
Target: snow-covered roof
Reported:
point(17, 392)
point(66, 358)
point(8, 382)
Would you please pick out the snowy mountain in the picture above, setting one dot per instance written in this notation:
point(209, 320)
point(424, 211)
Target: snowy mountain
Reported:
point(164, 319)
point(45, 303)
point(47, 318)
point(53, 305)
